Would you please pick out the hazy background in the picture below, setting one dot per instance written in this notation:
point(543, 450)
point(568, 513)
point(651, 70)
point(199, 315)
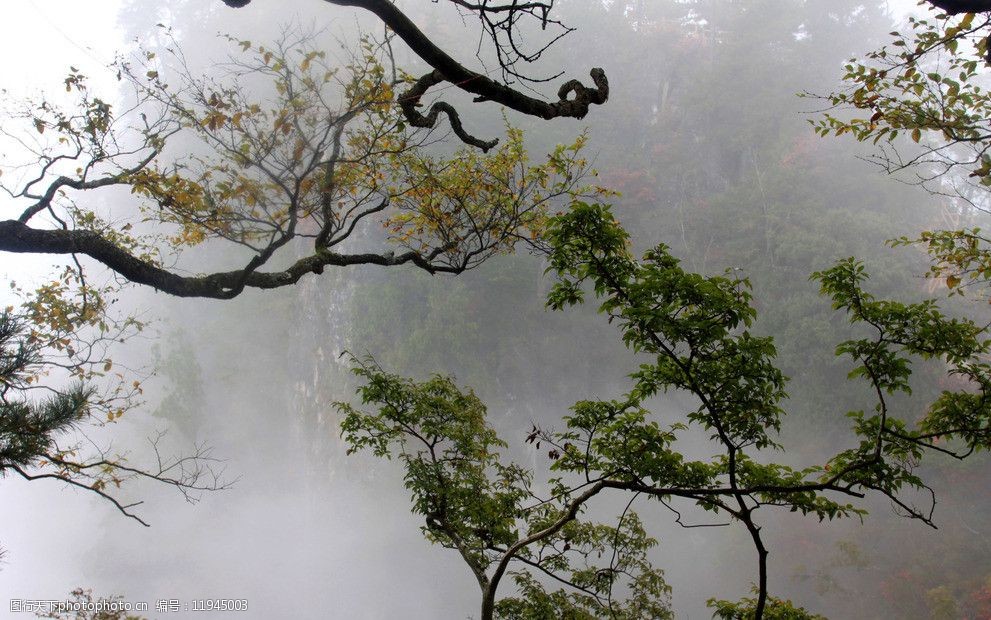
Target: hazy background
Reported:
point(711, 148)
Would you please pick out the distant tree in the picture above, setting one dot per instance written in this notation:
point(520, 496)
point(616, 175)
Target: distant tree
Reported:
point(691, 334)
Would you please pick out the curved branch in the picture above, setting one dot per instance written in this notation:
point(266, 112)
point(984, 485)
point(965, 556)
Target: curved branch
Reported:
point(45, 201)
point(123, 508)
point(477, 83)
point(953, 7)
point(20, 238)
point(574, 98)
point(485, 88)
point(569, 514)
point(410, 100)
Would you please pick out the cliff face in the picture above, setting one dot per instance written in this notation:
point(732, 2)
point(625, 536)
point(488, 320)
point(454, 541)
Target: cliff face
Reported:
point(323, 314)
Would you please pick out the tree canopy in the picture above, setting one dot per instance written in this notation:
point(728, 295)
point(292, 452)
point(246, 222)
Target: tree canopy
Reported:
point(691, 333)
point(283, 147)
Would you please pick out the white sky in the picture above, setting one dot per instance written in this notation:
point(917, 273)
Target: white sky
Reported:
point(39, 40)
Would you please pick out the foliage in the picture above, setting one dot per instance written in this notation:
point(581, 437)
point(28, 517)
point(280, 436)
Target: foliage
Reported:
point(58, 380)
point(961, 258)
point(325, 166)
point(927, 84)
point(776, 609)
point(693, 331)
point(28, 430)
point(314, 152)
point(922, 99)
point(70, 326)
point(32, 430)
point(489, 511)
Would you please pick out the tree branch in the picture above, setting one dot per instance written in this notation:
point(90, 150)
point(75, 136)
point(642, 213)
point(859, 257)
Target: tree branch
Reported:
point(953, 7)
point(19, 238)
point(574, 98)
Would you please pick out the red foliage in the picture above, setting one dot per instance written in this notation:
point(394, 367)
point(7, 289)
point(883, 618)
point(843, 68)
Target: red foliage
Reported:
point(637, 186)
point(802, 147)
point(979, 603)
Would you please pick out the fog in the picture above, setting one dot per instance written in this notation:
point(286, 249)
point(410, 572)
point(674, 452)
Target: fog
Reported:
point(705, 138)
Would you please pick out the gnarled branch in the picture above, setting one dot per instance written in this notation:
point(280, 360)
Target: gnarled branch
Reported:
point(574, 98)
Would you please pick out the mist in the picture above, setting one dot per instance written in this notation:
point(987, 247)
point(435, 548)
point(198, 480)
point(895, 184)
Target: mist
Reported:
point(711, 152)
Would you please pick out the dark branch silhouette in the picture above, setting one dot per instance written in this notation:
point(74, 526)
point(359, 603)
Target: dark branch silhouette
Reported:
point(953, 7)
point(574, 98)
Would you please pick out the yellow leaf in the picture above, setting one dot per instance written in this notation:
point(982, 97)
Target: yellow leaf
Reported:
point(916, 134)
point(952, 281)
